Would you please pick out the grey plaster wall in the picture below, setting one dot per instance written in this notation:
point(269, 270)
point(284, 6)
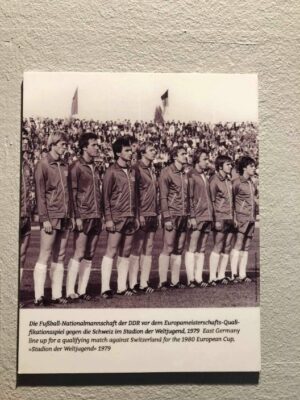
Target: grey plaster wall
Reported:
point(187, 36)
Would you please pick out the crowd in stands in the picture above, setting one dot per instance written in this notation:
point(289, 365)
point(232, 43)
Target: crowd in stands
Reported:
point(233, 139)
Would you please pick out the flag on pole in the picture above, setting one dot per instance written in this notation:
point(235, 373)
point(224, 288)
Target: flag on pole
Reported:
point(74, 108)
point(158, 116)
point(165, 99)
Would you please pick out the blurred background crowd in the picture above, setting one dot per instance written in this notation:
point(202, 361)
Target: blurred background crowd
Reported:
point(233, 139)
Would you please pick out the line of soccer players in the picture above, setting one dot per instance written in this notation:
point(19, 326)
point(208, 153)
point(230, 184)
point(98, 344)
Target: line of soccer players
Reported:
point(133, 202)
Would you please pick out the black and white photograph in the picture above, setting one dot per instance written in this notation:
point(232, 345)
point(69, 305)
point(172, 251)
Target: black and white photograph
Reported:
point(139, 214)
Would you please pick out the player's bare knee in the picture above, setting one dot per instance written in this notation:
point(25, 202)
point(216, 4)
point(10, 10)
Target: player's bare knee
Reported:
point(167, 250)
point(135, 253)
point(178, 251)
point(111, 252)
point(238, 245)
point(246, 246)
point(78, 255)
point(59, 256)
point(44, 257)
point(201, 248)
point(59, 259)
point(148, 249)
point(125, 253)
point(192, 248)
point(218, 248)
point(227, 250)
point(76, 258)
point(136, 249)
point(22, 256)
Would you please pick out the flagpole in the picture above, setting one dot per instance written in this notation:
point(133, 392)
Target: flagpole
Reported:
point(74, 106)
point(165, 101)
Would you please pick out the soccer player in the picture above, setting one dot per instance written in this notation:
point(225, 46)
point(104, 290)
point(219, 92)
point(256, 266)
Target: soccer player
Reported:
point(244, 200)
point(25, 221)
point(141, 253)
point(202, 209)
point(120, 212)
point(221, 196)
point(174, 201)
point(86, 195)
point(54, 210)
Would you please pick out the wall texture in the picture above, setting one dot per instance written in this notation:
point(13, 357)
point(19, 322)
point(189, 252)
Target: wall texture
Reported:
point(169, 36)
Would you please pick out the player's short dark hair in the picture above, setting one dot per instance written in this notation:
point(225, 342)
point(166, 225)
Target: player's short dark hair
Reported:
point(84, 140)
point(133, 139)
point(221, 160)
point(175, 150)
point(143, 147)
point(197, 154)
point(123, 141)
point(243, 162)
